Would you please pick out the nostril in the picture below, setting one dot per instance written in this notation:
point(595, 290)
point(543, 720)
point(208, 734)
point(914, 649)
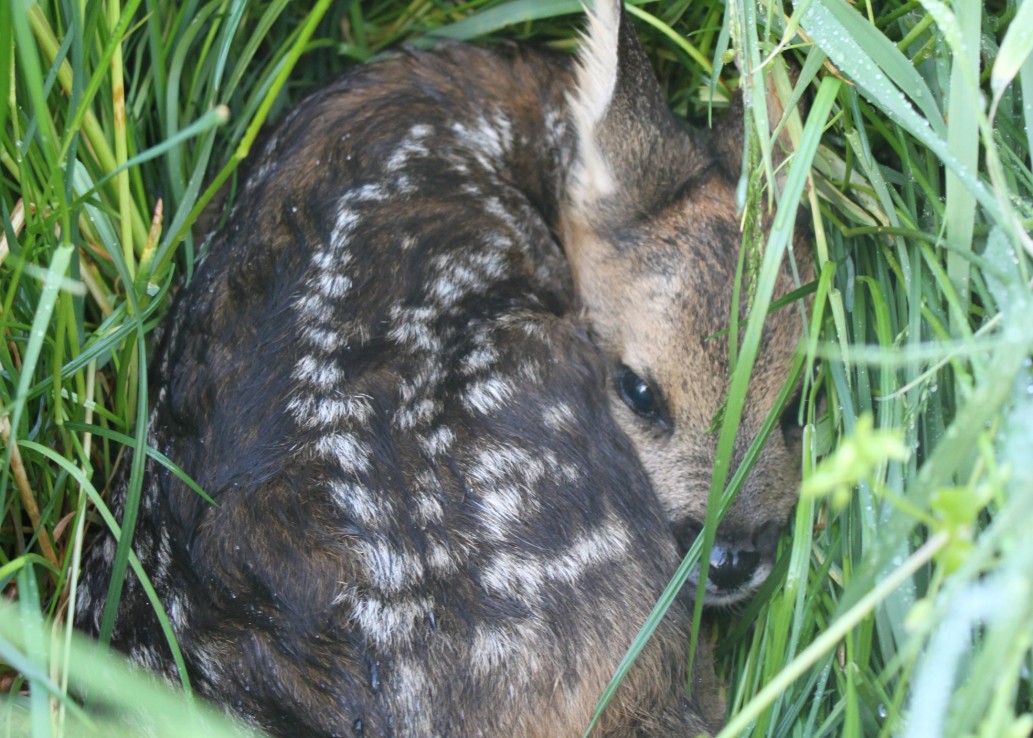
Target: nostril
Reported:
point(731, 568)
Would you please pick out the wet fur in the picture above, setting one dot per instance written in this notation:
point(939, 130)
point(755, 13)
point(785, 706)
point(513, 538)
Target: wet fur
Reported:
point(394, 372)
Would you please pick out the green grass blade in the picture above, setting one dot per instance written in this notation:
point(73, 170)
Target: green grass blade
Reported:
point(493, 19)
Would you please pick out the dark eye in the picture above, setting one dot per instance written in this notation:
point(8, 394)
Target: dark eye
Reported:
point(636, 392)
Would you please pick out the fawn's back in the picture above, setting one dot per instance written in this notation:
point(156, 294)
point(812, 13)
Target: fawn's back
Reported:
point(444, 373)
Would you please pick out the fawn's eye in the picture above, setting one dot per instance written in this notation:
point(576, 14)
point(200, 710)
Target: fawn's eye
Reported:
point(637, 394)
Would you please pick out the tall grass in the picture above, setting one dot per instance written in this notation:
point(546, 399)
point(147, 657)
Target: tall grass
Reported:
point(903, 603)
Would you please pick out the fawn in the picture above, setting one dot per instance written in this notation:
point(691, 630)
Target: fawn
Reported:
point(445, 374)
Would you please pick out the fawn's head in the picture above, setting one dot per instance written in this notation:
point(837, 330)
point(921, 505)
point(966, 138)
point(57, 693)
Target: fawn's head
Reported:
point(651, 230)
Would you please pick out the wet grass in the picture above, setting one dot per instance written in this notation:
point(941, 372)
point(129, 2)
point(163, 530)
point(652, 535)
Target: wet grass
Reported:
point(903, 603)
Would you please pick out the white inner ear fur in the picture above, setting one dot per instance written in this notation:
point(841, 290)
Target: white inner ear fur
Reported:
point(596, 80)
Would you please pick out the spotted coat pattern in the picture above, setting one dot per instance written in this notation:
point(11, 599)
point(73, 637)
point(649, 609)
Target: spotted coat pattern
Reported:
point(429, 521)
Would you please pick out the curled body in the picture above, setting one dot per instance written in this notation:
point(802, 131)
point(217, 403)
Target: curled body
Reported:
point(444, 373)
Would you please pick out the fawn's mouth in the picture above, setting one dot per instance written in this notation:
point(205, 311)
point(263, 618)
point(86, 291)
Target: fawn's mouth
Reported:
point(736, 570)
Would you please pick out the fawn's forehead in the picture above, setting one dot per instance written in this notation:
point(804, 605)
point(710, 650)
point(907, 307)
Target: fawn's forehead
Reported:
point(682, 260)
point(677, 301)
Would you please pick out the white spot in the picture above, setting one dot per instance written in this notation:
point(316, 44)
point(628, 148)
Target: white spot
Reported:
point(390, 569)
point(108, 549)
point(440, 558)
point(388, 624)
point(603, 545)
point(176, 609)
point(333, 286)
point(511, 647)
point(411, 328)
point(530, 370)
point(326, 340)
point(84, 607)
point(421, 412)
point(489, 140)
point(438, 442)
point(314, 309)
point(502, 507)
point(208, 663)
point(479, 360)
point(329, 411)
point(535, 329)
point(511, 576)
point(411, 146)
point(559, 417)
point(569, 472)
point(350, 454)
point(447, 292)
point(491, 649)
point(428, 507)
point(494, 206)
point(163, 555)
point(504, 463)
point(368, 193)
point(490, 264)
point(555, 126)
point(358, 503)
point(347, 219)
point(487, 395)
point(321, 373)
point(328, 261)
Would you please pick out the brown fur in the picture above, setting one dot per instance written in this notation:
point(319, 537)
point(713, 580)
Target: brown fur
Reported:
point(395, 373)
point(646, 254)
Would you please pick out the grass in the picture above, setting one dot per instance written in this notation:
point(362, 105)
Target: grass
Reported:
point(903, 604)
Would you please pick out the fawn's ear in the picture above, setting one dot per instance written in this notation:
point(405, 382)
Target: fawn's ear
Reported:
point(729, 149)
point(631, 152)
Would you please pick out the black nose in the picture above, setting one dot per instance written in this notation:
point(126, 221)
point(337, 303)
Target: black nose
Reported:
point(731, 568)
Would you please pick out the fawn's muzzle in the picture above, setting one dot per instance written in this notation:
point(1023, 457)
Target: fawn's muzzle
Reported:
point(739, 562)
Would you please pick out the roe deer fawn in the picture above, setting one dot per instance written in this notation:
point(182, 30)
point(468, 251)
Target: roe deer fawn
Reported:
point(445, 374)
